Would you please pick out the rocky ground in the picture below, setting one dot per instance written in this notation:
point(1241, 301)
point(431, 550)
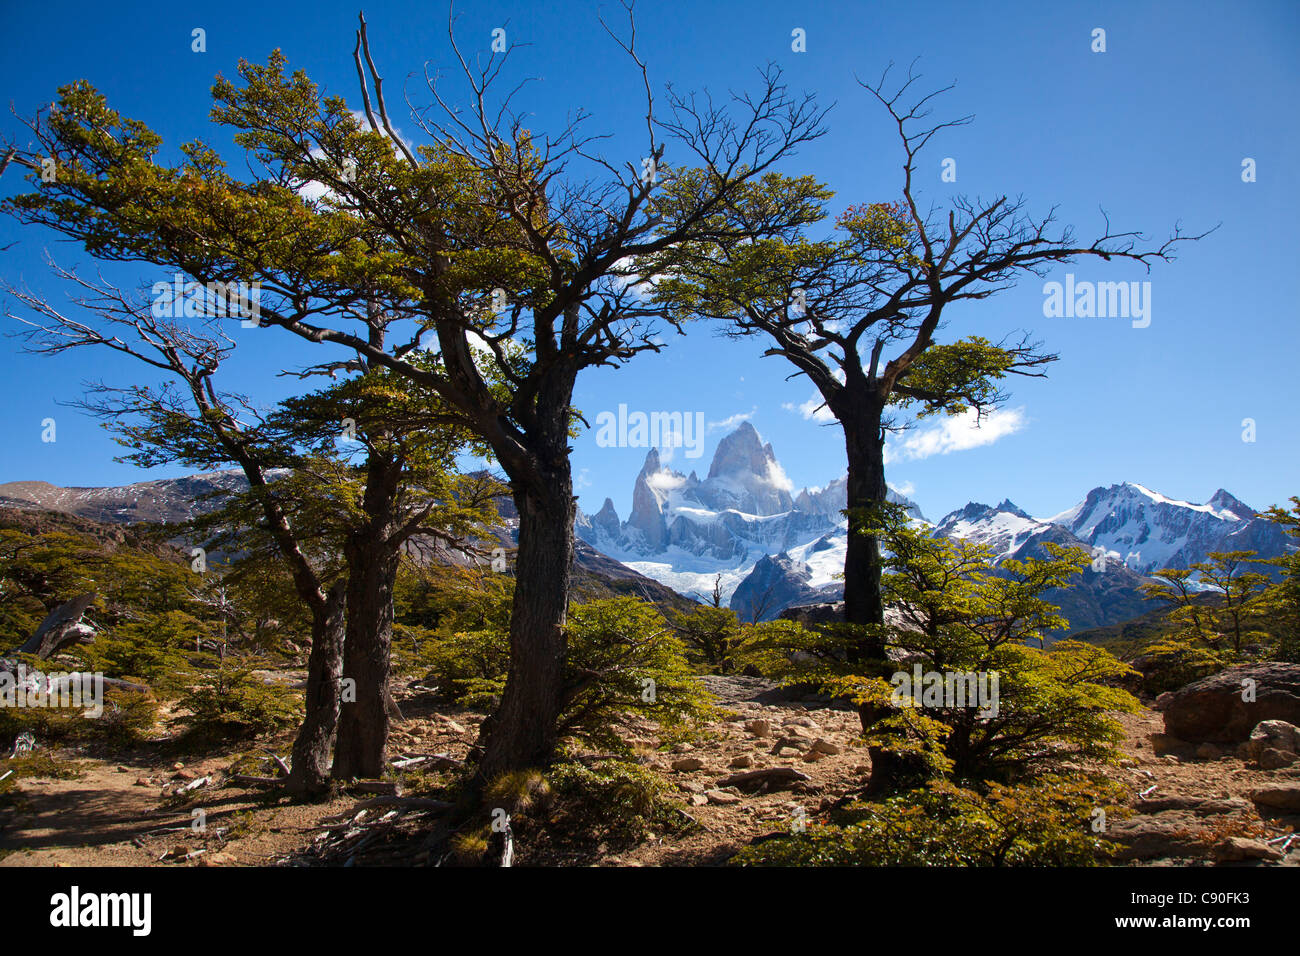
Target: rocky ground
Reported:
point(766, 764)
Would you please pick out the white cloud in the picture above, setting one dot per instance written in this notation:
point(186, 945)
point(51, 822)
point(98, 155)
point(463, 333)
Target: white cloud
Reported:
point(734, 420)
point(814, 409)
point(779, 479)
point(957, 433)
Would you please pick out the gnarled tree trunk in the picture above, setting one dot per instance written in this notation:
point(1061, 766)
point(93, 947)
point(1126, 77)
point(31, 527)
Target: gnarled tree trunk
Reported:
point(372, 552)
point(863, 603)
point(361, 748)
point(310, 774)
point(522, 732)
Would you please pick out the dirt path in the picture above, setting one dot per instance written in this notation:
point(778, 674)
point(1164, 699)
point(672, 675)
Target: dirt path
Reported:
point(117, 815)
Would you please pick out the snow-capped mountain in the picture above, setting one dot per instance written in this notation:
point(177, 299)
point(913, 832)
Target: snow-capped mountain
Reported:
point(1148, 531)
point(688, 533)
point(1106, 592)
point(769, 548)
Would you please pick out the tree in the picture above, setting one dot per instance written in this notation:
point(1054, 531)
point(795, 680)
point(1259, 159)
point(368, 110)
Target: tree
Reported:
point(488, 214)
point(860, 314)
point(187, 419)
point(1217, 614)
point(991, 705)
point(404, 493)
point(1281, 603)
point(323, 509)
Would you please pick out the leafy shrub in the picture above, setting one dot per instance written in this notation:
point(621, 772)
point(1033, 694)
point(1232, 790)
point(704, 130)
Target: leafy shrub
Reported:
point(960, 616)
point(468, 667)
point(151, 649)
point(1045, 824)
point(623, 660)
point(127, 717)
point(231, 703)
point(612, 800)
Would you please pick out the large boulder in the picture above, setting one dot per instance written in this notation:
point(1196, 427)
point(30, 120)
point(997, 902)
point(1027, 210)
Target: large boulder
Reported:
point(1213, 709)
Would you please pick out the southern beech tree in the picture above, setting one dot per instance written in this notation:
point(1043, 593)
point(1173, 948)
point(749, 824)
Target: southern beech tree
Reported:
point(188, 419)
point(861, 311)
point(501, 252)
point(339, 521)
point(972, 622)
point(402, 496)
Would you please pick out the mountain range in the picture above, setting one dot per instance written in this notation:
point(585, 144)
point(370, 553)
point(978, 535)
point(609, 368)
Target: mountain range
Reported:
point(743, 530)
point(766, 548)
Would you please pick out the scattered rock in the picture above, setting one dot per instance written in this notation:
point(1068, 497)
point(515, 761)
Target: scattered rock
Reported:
point(698, 799)
point(1273, 744)
point(1148, 837)
point(1236, 849)
point(1201, 806)
point(797, 743)
point(823, 746)
point(741, 762)
point(721, 797)
point(1165, 744)
point(1285, 798)
point(759, 727)
point(687, 764)
point(772, 778)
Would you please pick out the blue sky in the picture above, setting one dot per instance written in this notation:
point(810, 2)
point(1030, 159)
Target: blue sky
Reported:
point(1154, 130)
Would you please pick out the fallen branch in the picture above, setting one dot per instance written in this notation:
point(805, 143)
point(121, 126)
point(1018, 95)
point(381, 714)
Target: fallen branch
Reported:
point(404, 803)
point(444, 761)
point(767, 778)
point(247, 780)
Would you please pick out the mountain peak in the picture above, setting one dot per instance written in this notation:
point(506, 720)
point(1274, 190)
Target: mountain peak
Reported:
point(742, 451)
point(1006, 505)
point(1226, 501)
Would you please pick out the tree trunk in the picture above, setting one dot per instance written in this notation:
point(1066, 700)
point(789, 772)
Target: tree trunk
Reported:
point(361, 749)
point(372, 556)
point(866, 489)
point(863, 603)
point(311, 750)
point(522, 732)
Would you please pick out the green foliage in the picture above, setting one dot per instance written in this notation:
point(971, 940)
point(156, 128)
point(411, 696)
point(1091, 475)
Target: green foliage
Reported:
point(151, 648)
point(1205, 633)
point(468, 667)
point(127, 717)
point(1044, 824)
point(1280, 605)
point(958, 615)
point(623, 660)
point(45, 561)
point(231, 703)
point(612, 800)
